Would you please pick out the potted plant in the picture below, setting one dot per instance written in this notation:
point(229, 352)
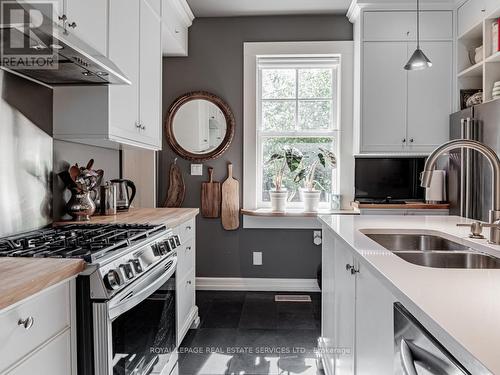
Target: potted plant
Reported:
point(310, 195)
point(288, 157)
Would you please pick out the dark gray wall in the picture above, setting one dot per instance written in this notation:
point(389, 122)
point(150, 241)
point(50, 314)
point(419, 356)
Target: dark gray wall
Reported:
point(215, 64)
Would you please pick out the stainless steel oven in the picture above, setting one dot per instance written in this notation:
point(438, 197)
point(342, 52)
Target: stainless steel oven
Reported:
point(417, 352)
point(134, 332)
point(126, 311)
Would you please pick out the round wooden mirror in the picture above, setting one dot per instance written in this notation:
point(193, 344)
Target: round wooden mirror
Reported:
point(199, 126)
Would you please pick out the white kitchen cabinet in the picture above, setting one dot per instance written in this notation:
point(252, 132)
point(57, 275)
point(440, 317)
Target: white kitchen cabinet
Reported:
point(430, 98)
point(114, 115)
point(90, 18)
point(403, 111)
point(50, 359)
point(471, 13)
point(187, 311)
point(357, 325)
point(124, 39)
point(48, 345)
point(384, 88)
point(373, 325)
point(177, 18)
point(398, 25)
point(150, 76)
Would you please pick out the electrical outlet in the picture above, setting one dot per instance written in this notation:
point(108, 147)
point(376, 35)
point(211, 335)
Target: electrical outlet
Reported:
point(317, 237)
point(257, 258)
point(196, 169)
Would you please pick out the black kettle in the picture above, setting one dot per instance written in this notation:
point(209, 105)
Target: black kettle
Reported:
point(123, 198)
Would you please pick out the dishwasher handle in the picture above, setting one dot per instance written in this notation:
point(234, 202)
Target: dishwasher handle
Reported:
point(407, 361)
point(411, 353)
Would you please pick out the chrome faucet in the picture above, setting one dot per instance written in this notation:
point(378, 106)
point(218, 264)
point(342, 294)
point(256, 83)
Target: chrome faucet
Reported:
point(494, 161)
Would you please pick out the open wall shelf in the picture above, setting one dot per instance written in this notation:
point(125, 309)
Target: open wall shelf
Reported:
point(481, 74)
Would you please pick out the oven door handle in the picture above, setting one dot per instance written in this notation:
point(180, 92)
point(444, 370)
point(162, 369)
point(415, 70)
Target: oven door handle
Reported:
point(136, 293)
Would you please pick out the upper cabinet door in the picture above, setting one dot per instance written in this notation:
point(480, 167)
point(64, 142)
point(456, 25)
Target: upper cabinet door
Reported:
point(150, 73)
point(124, 52)
point(390, 25)
point(88, 21)
point(471, 13)
point(383, 118)
point(430, 98)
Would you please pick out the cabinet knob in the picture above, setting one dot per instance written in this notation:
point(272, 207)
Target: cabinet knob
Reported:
point(188, 248)
point(26, 323)
point(188, 227)
point(63, 18)
point(143, 127)
point(348, 267)
point(72, 25)
point(407, 33)
point(189, 282)
point(411, 140)
point(354, 271)
point(137, 125)
point(404, 140)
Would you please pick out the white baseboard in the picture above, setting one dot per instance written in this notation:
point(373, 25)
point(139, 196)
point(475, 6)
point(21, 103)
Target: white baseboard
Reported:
point(257, 284)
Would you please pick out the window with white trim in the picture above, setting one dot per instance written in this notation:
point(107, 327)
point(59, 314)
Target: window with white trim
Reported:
point(297, 106)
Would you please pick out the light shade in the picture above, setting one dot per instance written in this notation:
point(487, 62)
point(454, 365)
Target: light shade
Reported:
point(418, 61)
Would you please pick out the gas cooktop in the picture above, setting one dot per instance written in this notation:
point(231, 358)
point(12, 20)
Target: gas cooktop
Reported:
point(85, 241)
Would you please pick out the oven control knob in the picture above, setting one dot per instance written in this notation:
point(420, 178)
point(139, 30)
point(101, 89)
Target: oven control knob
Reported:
point(177, 240)
point(112, 280)
point(127, 270)
point(172, 243)
point(136, 265)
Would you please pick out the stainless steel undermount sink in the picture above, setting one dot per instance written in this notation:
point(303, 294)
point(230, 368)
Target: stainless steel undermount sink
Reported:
point(433, 251)
point(412, 242)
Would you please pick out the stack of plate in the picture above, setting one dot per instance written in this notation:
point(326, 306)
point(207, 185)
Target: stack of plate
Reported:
point(496, 90)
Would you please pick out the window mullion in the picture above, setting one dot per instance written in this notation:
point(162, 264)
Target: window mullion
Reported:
point(297, 99)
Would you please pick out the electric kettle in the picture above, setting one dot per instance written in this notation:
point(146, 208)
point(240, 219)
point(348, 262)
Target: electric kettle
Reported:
point(123, 198)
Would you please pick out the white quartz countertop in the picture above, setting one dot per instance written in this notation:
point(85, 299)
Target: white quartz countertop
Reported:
point(460, 307)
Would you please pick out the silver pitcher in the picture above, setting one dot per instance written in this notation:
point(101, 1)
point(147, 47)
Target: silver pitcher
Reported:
point(80, 206)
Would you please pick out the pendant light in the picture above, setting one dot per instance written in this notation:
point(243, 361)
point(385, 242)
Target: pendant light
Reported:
point(418, 60)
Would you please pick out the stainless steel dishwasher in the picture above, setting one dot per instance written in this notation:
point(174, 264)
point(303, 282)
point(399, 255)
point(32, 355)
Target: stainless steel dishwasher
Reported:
point(417, 352)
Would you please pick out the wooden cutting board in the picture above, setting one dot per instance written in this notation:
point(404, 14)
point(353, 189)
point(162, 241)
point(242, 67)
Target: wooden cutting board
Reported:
point(210, 196)
point(176, 187)
point(230, 201)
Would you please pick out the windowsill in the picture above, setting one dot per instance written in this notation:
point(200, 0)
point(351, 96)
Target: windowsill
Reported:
point(296, 212)
point(264, 218)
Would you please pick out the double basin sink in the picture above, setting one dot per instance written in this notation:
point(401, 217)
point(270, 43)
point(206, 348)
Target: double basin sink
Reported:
point(433, 251)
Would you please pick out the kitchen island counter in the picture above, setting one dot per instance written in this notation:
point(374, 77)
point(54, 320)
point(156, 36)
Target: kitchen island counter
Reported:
point(168, 216)
point(460, 307)
point(21, 278)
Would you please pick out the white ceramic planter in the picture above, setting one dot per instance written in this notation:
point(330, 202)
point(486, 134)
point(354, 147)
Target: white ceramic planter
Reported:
point(278, 200)
point(310, 199)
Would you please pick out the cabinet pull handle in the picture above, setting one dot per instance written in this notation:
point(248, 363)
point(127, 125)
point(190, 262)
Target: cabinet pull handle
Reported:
point(26, 323)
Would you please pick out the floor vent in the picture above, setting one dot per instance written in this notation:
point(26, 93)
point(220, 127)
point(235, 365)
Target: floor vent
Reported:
point(291, 298)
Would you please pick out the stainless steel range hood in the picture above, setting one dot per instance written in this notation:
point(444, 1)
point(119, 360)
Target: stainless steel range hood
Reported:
point(73, 61)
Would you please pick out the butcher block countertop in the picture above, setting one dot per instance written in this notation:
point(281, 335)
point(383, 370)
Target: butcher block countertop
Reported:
point(21, 278)
point(171, 217)
point(404, 206)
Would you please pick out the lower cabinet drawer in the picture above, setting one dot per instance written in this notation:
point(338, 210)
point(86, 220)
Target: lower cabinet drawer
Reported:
point(185, 301)
point(53, 359)
point(185, 258)
point(186, 230)
point(45, 316)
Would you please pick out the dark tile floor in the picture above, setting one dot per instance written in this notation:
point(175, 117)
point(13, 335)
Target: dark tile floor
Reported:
point(247, 333)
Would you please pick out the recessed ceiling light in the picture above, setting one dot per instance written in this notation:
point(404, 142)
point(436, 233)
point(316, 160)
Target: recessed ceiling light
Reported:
point(56, 46)
point(86, 73)
point(102, 74)
point(38, 47)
